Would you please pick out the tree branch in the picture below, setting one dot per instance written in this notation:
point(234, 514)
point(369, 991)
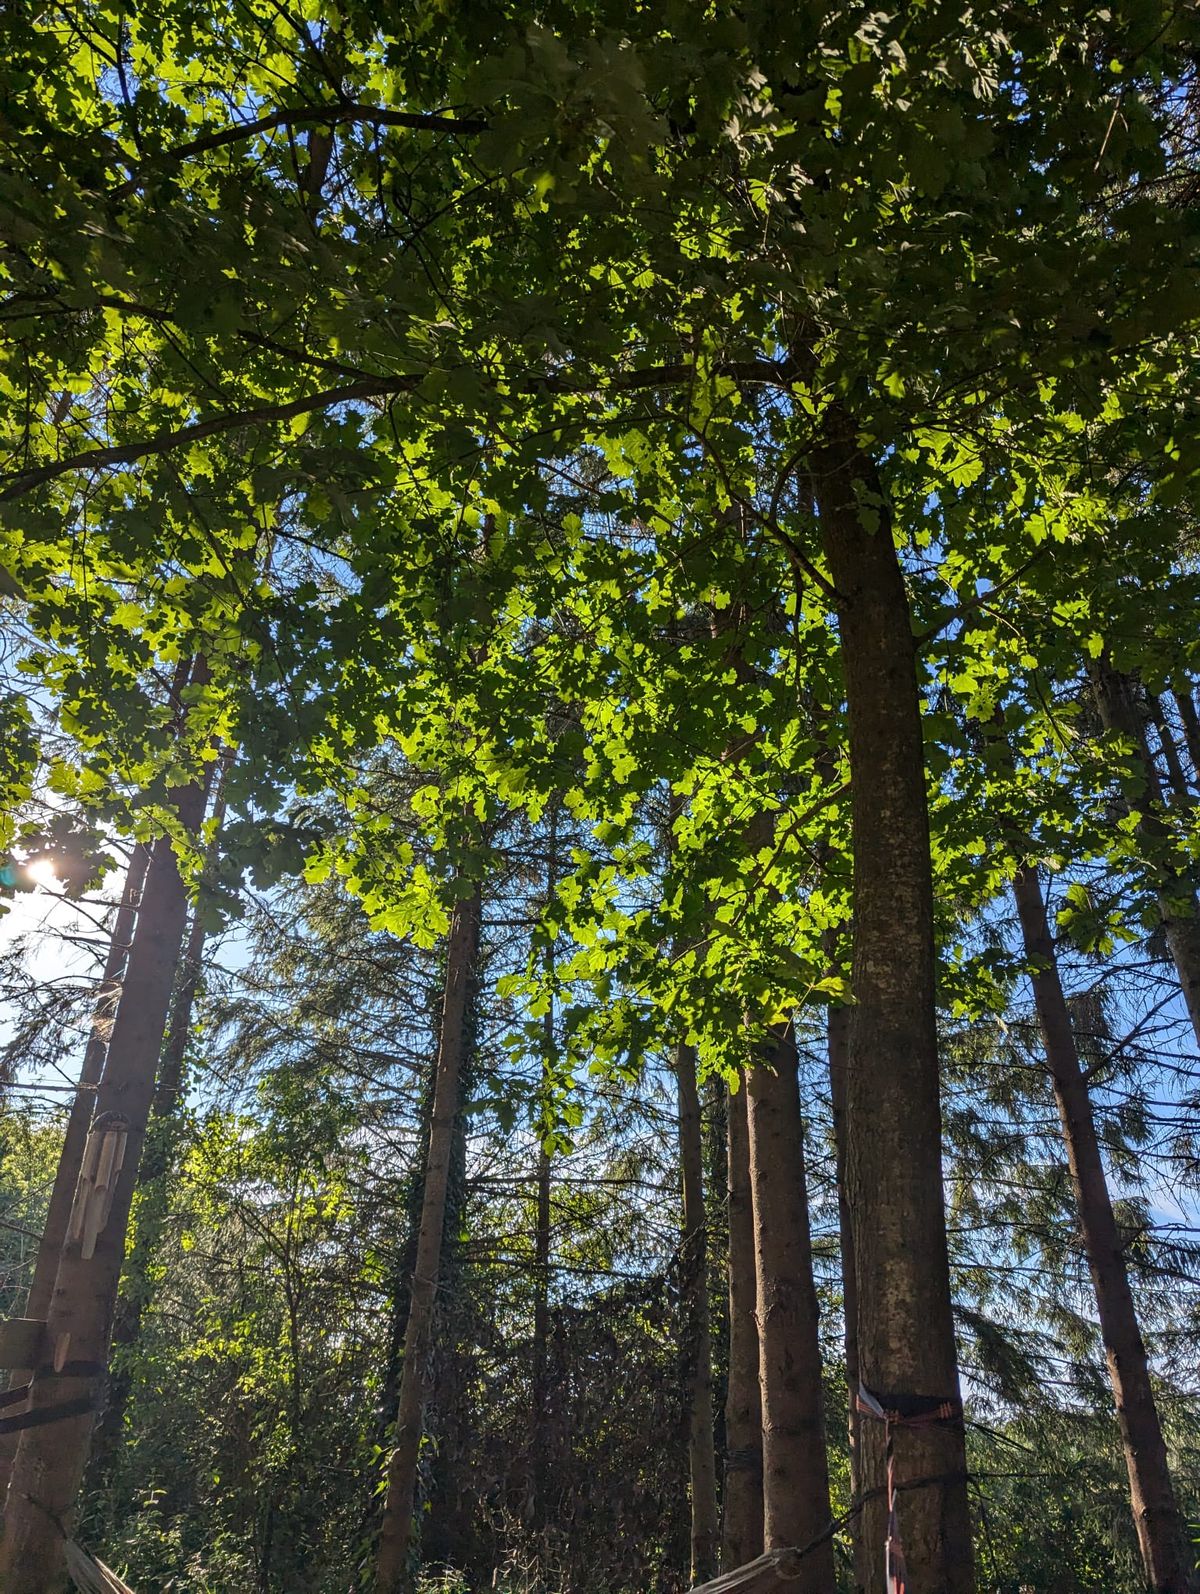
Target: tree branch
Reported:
point(128, 453)
point(17, 485)
point(298, 115)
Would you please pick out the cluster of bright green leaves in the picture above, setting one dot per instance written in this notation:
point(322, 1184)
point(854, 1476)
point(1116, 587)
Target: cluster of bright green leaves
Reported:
point(359, 288)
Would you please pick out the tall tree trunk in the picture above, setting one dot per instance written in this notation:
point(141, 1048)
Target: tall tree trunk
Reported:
point(795, 1466)
point(401, 1292)
point(742, 1524)
point(1170, 751)
point(1160, 1528)
point(539, 1361)
point(539, 1388)
point(408, 1214)
point(444, 1535)
point(1120, 712)
point(70, 1158)
point(906, 1347)
point(1190, 721)
point(462, 952)
point(48, 1467)
point(169, 1091)
point(162, 1135)
point(697, 1335)
point(838, 1043)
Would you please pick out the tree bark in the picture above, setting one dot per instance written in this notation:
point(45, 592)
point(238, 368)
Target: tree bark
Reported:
point(162, 1135)
point(1188, 718)
point(906, 1344)
point(742, 1525)
point(539, 1388)
point(1170, 752)
point(70, 1158)
point(400, 1295)
point(539, 1368)
point(462, 952)
point(169, 1090)
point(697, 1333)
point(838, 1043)
point(796, 1508)
point(49, 1463)
point(1120, 713)
point(1160, 1528)
point(771, 1573)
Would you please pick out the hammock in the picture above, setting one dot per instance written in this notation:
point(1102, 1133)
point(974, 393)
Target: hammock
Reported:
point(91, 1576)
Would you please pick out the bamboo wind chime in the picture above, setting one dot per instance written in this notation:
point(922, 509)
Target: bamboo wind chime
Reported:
point(102, 1162)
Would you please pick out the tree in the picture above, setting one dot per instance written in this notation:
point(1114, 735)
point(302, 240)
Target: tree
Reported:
point(796, 1509)
point(79, 1118)
point(48, 1466)
point(1156, 1515)
point(697, 1337)
point(742, 1524)
point(529, 343)
point(1176, 897)
point(462, 951)
point(893, 1119)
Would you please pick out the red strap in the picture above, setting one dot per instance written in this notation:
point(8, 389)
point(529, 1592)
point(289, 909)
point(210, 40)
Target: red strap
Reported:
point(872, 1405)
point(893, 1551)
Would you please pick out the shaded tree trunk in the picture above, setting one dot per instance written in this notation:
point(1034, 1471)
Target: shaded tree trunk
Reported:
point(1170, 752)
point(169, 1091)
point(444, 1527)
point(838, 1044)
point(715, 1124)
point(796, 1507)
point(539, 1385)
point(742, 1524)
point(401, 1286)
point(162, 1135)
point(907, 1353)
point(79, 1119)
point(697, 1334)
point(462, 952)
point(1188, 718)
point(50, 1460)
point(408, 1212)
point(1120, 712)
point(1156, 1516)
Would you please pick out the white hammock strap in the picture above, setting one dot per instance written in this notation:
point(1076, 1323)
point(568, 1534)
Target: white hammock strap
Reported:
point(91, 1576)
